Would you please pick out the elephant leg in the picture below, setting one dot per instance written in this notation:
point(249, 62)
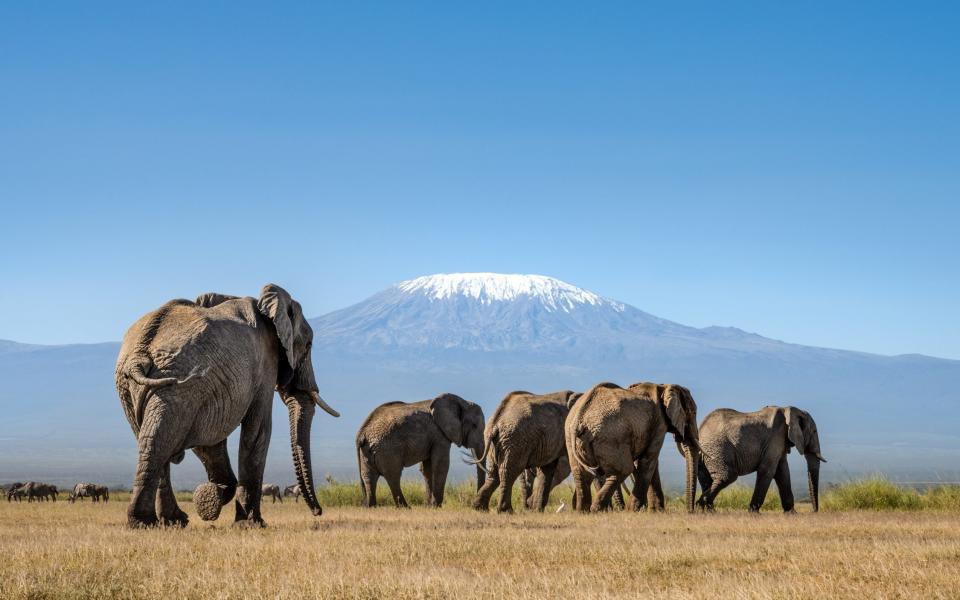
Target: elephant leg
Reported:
point(169, 512)
point(368, 484)
point(706, 482)
point(581, 489)
point(440, 461)
point(764, 477)
point(216, 462)
point(544, 483)
point(782, 477)
point(254, 440)
point(427, 469)
point(157, 443)
point(509, 472)
point(643, 472)
point(393, 480)
point(719, 483)
point(655, 499)
point(482, 501)
point(610, 484)
point(527, 481)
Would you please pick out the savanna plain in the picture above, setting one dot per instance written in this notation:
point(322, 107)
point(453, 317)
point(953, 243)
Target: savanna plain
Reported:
point(871, 541)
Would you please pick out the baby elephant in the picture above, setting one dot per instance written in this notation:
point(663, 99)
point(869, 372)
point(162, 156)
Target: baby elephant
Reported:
point(398, 435)
point(736, 443)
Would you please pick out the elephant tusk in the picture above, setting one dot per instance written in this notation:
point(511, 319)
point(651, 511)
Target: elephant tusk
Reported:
point(322, 404)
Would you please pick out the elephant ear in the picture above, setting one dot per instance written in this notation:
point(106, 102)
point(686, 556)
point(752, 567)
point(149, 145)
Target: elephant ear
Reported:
point(795, 432)
point(211, 299)
point(673, 405)
point(447, 411)
point(277, 305)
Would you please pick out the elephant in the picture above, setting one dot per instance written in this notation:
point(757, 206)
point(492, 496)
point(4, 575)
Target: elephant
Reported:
point(292, 490)
point(525, 431)
point(190, 373)
point(273, 491)
point(398, 435)
point(736, 443)
point(613, 432)
point(40, 491)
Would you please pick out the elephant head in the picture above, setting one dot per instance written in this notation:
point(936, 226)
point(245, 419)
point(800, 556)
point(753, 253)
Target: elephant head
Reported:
point(802, 434)
point(681, 412)
point(462, 423)
point(296, 381)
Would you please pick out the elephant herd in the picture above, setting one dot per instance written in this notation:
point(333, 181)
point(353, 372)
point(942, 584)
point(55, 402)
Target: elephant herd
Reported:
point(601, 437)
point(192, 371)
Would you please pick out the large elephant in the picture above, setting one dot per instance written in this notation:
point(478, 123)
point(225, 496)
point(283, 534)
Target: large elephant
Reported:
point(398, 435)
point(736, 443)
point(614, 432)
point(271, 490)
point(190, 373)
point(526, 431)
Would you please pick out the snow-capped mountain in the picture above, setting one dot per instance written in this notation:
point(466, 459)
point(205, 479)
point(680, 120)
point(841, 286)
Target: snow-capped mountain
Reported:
point(530, 314)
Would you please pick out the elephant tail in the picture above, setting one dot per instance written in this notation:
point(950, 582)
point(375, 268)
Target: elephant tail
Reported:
point(578, 453)
point(137, 371)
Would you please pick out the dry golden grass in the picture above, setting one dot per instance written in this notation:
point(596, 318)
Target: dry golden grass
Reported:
point(58, 550)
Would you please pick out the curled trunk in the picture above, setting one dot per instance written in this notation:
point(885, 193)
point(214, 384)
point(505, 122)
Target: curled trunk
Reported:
point(301, 411)
point(813, 481)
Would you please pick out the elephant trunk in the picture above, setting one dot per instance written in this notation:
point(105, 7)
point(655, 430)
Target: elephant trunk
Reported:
point(692, 454)
point(813, 481)
point(301, 411)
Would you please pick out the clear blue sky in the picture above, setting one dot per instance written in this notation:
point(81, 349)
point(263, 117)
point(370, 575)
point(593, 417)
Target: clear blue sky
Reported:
point(790, 170)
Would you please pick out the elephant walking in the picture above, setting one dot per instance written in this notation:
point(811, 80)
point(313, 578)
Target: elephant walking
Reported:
point(736, 443)
point(398, 435)
point(292, 490)
point(614, 432)
point(271, 490)
point(533, 482)
point(190, 373)
point(525, 432)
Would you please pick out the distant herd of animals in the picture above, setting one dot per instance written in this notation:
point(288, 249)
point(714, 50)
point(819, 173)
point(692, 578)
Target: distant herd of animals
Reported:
point(191, 372)
point(37, 491)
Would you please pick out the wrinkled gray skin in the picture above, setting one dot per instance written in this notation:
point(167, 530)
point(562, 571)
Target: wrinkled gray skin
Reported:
point(398, 435)
point(271, 490)
point(526, 431)
point(293, 490)
point(614, 432)
point(15, 491)
point(190, 373)
point(34, 490)
point(736, 443)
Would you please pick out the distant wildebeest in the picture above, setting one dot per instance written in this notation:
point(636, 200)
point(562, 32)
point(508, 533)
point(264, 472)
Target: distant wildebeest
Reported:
point(15, 491)
point(273, 491)
point(89, 490)
point(292, 490)
point(40, 491)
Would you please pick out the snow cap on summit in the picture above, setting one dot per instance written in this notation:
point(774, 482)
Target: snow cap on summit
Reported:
point(495, 287)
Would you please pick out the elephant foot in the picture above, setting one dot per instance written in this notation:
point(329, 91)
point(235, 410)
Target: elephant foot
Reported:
point(141, 521)
point(176, 519)
point(206, 499)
